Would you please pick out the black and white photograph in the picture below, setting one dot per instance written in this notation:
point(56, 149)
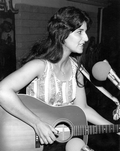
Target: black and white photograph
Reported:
point(59, 75)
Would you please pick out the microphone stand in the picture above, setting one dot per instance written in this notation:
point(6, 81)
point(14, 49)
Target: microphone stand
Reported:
point(116, 112)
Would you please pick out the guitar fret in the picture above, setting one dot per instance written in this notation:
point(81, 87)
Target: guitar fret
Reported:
point(95, 129)
point(99, 126)
point(111, 128)
point(90, 130)
point(78, 128)
point(117, 128)
point(86, 130)
point(75, 130)
point(103, 128)
point(99, 129)
point(82, 129)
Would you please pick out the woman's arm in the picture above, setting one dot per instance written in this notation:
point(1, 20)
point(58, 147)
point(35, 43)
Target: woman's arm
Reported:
point(12, 104)
point(91, 115)
point(102, 89)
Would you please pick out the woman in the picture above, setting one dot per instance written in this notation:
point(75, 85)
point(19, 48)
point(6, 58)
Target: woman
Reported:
point(52, 66)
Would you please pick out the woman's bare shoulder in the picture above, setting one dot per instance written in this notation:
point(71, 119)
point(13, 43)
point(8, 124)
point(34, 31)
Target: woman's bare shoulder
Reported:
point(35, 65)
point(37, 62)
point(28, 72)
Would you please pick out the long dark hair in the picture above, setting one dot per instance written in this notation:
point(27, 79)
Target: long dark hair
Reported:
point(66, 20)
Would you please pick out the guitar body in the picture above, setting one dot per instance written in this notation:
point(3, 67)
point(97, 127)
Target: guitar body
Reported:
point(17, 135)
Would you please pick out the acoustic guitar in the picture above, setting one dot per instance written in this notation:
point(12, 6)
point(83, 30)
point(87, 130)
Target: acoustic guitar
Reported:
point(69, 120)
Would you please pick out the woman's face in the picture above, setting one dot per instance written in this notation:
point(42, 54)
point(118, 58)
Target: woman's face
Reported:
point(76, 39)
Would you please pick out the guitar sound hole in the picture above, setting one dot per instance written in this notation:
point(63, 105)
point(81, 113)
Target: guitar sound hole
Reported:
point(64, 132)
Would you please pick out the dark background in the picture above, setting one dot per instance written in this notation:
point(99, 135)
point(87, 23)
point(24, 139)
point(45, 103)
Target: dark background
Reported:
point(109, 49)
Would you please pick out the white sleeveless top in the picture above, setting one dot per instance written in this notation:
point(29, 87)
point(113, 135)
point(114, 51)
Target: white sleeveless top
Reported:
point(51, 90)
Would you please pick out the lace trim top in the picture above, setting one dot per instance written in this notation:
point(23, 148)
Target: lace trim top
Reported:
point(51, 90)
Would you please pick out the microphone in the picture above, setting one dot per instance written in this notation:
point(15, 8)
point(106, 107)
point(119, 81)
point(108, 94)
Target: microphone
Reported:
point(102, 70)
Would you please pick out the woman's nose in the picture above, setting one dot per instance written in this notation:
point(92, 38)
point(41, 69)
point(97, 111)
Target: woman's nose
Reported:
point(86, 37)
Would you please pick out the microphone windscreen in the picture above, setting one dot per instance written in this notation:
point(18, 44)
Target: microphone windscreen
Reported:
point(100, 70)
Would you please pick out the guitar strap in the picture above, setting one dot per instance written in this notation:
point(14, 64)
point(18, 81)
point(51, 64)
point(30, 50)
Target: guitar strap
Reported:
point(116, 112)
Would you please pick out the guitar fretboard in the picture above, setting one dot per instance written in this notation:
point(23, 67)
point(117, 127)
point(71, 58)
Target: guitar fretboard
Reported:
point(95, 129)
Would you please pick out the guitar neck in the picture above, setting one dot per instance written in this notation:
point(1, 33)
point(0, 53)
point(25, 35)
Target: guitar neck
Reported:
point(95, 129)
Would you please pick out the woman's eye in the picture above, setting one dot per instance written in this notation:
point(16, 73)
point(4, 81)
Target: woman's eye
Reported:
point(80, 32)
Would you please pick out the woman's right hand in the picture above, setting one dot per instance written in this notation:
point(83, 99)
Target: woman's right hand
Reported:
point(47, 134)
